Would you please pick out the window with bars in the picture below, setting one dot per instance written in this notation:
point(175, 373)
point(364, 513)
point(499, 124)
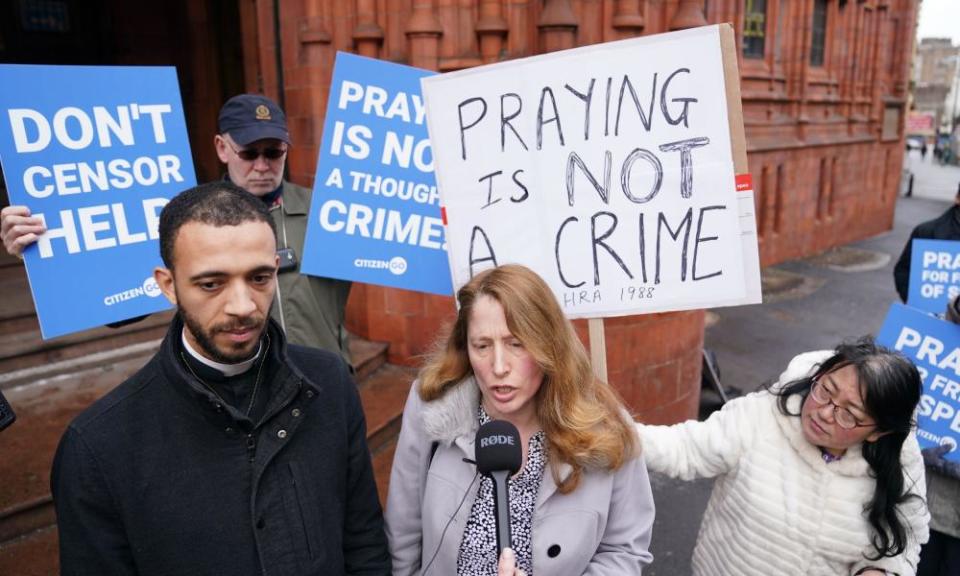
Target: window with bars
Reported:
point(754, 28)
point(818, 44)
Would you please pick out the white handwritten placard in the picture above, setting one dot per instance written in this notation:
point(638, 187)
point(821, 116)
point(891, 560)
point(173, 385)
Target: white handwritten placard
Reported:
point(607, 169)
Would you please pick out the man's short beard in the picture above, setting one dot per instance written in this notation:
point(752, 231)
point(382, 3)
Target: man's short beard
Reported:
point(205, 339)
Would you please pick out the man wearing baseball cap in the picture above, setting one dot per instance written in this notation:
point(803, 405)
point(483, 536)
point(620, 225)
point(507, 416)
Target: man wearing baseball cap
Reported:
point(253, 144)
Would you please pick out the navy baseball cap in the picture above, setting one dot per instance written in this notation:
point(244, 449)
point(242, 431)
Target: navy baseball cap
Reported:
point(251, 117)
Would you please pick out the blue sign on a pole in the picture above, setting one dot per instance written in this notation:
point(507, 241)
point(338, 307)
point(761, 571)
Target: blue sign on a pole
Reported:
point(934, 274)
point(375, 216)
point(934, 346)
point(96, 152)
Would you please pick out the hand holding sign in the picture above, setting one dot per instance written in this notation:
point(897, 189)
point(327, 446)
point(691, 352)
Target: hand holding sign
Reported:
point(934, 458)
point(19, 229)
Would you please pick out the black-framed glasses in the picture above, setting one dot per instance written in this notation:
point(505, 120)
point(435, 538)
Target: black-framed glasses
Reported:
point(251, 154)
point(842, 416)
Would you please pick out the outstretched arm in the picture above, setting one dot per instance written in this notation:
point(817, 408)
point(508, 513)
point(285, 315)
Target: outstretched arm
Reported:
point(713, 447)
point(703, 449)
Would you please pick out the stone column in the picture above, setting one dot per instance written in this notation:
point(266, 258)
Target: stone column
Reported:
point(627, 18)
point(688, 15)
point(558, 26)
point(491, 29)
point(368, 35)
point(424, 31)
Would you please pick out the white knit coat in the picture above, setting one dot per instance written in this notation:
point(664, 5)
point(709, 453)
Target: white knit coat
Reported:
point(777, 507)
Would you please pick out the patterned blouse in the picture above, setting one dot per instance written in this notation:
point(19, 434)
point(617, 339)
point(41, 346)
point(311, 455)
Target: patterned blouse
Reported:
point(478, 549)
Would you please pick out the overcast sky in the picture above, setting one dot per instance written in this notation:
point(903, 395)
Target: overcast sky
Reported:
point(940, 19)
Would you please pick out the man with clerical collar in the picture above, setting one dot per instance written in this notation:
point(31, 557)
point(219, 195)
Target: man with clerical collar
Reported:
point(230, 452)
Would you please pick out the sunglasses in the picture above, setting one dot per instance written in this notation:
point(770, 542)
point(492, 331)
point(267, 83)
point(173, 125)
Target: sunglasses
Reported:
point(251, 154)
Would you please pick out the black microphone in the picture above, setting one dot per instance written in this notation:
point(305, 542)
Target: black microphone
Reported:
point(499, 455)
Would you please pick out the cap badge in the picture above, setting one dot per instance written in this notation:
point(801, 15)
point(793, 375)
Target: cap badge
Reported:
point(263, 113)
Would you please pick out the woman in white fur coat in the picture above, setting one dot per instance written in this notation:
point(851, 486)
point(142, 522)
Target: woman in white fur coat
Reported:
point(581, 503)
point(819, 475)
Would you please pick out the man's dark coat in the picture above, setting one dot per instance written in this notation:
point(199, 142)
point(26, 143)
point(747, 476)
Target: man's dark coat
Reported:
point(159, 477)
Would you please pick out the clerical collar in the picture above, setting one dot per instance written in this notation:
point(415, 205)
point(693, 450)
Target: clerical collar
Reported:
point(227, 370)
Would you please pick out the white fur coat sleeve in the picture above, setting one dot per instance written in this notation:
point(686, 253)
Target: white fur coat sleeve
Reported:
point(706, 449)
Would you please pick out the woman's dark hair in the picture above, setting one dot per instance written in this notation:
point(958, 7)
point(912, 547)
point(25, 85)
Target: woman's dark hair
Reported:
point(891, 390)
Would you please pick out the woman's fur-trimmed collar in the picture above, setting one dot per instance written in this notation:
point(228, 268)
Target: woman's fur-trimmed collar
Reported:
point(454, 414)
point(851, 464)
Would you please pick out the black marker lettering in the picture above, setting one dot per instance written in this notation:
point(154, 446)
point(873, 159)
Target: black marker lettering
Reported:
point(599, 241)
point(587, 99)
point(686, 101)
point(686, 222)
point(505, 121)
point(643, 251)
point(463, 129)
point(489, 257)
point(686, 161)
point(541, 121)
point(489, 178)
point(574, 160)
point(606, 112)
point(627, 170)
point(699, 239)
point(556, 251)
point(645, 118)
point(516, 179)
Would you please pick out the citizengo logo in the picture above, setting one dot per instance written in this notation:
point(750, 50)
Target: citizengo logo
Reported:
point(396, 265)
point(149, 288)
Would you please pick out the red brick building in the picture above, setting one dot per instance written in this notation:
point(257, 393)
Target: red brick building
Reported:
point(824, 90)
point(824, 87)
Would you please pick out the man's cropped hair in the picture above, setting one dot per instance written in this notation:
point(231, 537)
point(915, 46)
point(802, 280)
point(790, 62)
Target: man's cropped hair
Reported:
point(218, 204)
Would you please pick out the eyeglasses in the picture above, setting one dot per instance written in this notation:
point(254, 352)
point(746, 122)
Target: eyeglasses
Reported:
point(251, 154)
point(843, 417)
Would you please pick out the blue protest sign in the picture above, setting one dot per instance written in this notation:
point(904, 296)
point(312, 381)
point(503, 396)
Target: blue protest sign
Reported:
point(96, 152)
point(934, 346)
point(375, 215)
point(934, 274)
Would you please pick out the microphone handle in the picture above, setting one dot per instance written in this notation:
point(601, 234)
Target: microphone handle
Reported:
point(501, 505)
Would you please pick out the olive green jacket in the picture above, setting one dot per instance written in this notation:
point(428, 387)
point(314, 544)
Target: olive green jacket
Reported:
point(310, 309)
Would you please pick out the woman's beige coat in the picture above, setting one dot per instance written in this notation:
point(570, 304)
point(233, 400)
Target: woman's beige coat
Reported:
point(601, 528)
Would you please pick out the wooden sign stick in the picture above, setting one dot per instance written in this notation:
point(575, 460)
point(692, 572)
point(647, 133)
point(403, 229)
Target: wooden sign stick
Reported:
point(598, 348)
